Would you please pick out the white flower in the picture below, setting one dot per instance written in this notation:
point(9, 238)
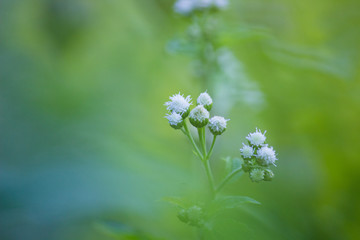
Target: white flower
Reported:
point(174, 118)
point(257, 175)
point(199, 116)
point(247, 151)
point(217, 125)
point(203, 3)
point(221, 4)
point(204, 99)
point(184, 7)
point(267, 154)
point(256, 138)
point(179, 104)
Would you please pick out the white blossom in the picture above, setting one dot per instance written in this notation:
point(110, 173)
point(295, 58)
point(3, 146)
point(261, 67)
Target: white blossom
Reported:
point(184, 7)
point(178, 104)
point(217, 125)
point(203, 3)
point(247, 151)
point(199, 116)
point(174, 118)
point(199, 113)
point(221, 4)
point(204, 99)
point(256, 138)
point(267, 154)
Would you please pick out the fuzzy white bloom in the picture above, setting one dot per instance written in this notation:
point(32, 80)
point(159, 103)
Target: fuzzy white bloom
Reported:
point(178, 104)
point(199, 116)
point(221, 4)
point(256, 138)
point(267, 154)
point(247, 151)
point(199, 113)
point(217, 125)
point(174, 118)
point(203, 3)
point(204, 99)
point(184, 7)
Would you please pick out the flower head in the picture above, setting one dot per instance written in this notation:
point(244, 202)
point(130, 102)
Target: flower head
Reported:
point(267, 154)
point(257, 175)
point(217, 125)
point(220, 4)
point(203, 3)
point(247, 151)
point(205, 100)
point(256, 138)
point(175, 120)
point(199, 116)
point(179, 104)
point(184, 7)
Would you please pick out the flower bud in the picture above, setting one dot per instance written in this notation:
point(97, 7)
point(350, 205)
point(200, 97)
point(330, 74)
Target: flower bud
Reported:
point(175, 120)
point(217, 125)
point(257, 175)
point(256, 138)
point(205, 100)
point(179, 104)
point(199, 116)
point(183, 216)
point(195, 216)
point(268, 175)
point(246, 167)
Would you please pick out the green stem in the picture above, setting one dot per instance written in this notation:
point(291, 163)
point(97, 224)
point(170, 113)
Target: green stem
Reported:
point(201, 132)
point(227, 178)
point(211, 148)
point(210, 178)
point(188, 134)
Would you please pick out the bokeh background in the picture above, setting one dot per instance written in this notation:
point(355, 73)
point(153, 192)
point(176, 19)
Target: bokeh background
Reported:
point(86, 152)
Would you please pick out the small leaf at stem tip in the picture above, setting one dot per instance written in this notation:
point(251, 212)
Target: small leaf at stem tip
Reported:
point(234, 201)
point(222, 203)
point(177, 201)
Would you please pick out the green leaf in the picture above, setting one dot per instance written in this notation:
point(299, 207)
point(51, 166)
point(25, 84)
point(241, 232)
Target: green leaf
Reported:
point(232, 164)
point(228, 202)
point(177, 201)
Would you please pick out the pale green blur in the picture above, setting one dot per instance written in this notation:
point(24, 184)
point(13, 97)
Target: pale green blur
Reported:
point(86, 152)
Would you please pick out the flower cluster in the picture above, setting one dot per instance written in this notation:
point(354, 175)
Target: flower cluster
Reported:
point(258, 157)
point(199, 117)
point(186, 7)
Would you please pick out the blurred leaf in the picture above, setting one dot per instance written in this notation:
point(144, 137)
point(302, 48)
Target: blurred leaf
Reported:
point(177, 201)
point(232, 164)
point(228, 202)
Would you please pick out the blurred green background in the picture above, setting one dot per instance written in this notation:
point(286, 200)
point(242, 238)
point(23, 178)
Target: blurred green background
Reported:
point(86, 152)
